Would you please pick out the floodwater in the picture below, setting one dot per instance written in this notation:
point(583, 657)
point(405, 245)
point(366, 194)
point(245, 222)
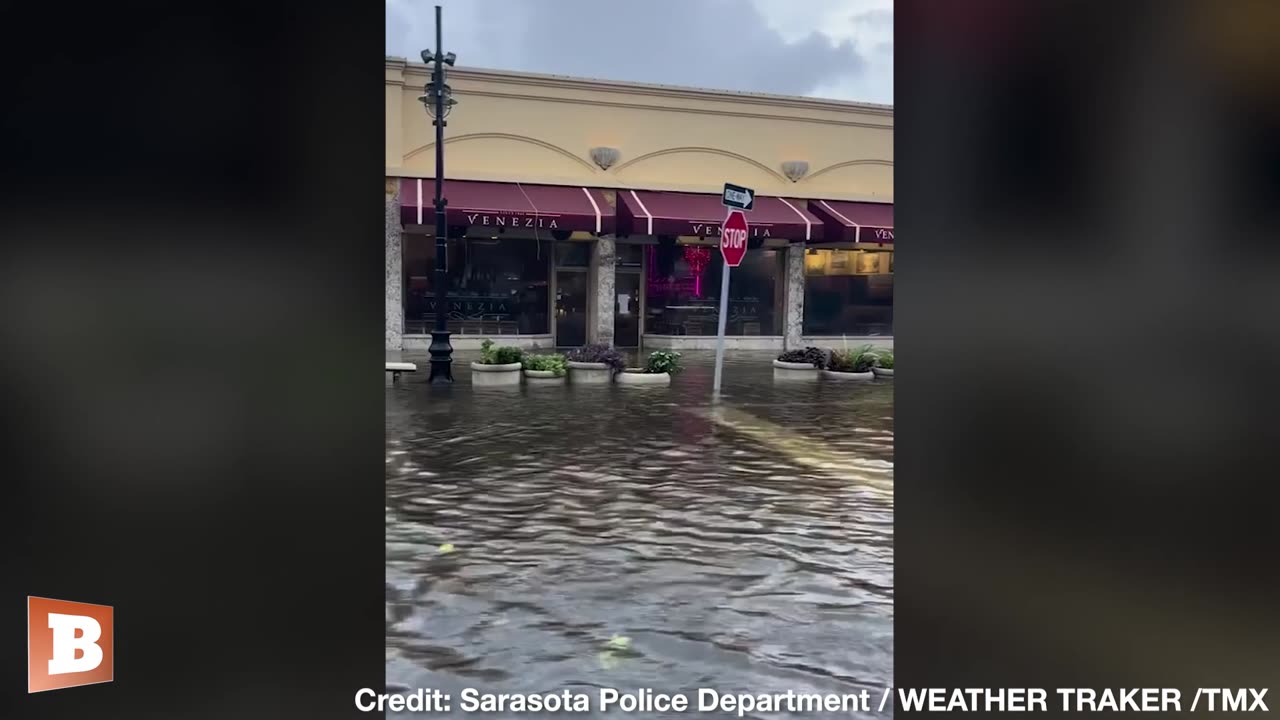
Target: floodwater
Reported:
point(746, 548)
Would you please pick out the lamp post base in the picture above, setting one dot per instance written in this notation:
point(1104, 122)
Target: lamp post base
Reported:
point(441, 358)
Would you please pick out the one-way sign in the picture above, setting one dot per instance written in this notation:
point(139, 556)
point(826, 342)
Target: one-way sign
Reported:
point(736, 196)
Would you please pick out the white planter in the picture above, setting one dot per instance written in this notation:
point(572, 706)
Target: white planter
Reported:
point(835, 375)
point(586, 373)
point(495, 375)
point(643, 378)
point(794, 371)
point(882, 372)
point(543, 377)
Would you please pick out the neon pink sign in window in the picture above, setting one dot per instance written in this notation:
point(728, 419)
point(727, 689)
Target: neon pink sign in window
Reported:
point(696, 258)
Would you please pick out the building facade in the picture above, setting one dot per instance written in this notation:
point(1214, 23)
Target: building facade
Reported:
point(589, 211)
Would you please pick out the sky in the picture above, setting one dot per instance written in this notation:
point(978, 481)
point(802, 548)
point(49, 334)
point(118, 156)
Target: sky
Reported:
point(838, 49)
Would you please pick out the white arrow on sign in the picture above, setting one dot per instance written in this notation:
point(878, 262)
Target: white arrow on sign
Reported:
point(743, 198)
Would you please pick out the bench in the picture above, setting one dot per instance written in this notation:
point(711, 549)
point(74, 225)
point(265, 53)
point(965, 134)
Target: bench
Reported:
point(395, 368)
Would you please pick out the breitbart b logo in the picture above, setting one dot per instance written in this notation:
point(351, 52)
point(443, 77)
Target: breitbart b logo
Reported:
point(68, 644)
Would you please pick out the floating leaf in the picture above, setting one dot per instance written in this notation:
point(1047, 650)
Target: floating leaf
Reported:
point(446, 548)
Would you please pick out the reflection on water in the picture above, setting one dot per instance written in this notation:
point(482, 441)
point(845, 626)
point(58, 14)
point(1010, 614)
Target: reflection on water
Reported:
point(745, 548)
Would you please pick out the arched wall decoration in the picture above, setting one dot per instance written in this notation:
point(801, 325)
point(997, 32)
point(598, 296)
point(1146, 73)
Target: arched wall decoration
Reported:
point(713, 151)
point(848, 163)
point(503, 136)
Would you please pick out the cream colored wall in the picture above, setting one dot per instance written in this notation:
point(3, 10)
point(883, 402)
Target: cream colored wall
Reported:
point(539, 129)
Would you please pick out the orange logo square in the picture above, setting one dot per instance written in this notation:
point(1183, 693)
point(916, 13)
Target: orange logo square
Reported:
point(68, 644)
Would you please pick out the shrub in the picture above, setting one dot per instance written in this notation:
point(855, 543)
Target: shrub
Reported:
point(554, 362)
point(599, 353)
point(859, 359)
point(504, 355)
point(507, 355)
point(884, 359)
point(663, 361)
point(811, 355)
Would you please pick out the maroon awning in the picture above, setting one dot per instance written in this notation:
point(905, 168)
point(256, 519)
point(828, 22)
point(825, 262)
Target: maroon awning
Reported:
point(644, 212)
point(855, 221)
point(503, 205)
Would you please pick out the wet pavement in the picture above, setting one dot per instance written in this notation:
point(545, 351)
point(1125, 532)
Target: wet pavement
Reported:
point(746, 547)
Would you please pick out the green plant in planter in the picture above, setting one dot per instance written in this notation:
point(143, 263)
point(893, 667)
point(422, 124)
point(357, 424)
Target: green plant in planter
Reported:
point(599, 353)
point(859, 359)
point(663, 361)
point(554, 362)
point(503, 355)
point(508, 355)
point(884, 359)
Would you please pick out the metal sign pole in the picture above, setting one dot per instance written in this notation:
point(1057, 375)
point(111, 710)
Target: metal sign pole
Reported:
point(733, 246)
point(724, 312)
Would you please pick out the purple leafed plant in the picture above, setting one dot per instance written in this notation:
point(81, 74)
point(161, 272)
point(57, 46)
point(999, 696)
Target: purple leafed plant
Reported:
point(598, 353)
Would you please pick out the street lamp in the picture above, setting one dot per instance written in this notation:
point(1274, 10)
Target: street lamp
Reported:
point(438, 99)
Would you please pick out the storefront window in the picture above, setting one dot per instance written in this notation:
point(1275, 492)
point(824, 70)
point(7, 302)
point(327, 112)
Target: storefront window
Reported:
point(573, 254)
point(848, 292)
point(496, 287)
point(628, 256)
point(682, 291)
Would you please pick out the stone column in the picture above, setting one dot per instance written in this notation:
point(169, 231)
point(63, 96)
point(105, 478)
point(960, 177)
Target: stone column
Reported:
point(394, 259)
point(794, 312)
point(603, 268)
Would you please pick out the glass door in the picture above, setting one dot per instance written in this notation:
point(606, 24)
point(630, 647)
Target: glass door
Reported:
point(626, 309)
point(571, 308)
point(628, 299)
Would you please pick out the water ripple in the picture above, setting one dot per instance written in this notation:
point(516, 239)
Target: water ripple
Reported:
point(746, 547)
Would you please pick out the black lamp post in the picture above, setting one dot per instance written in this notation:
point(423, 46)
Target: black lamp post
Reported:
point(438, 100)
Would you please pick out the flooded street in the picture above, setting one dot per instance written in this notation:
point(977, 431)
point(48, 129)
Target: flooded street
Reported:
point(746, 548)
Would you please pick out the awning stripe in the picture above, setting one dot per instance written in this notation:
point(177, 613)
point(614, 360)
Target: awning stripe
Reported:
point(837, 214)
point(644, 210)
point(808, 226)
point(594, 205)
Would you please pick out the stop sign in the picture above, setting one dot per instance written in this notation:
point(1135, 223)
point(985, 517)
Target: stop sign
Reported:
point(733, 238)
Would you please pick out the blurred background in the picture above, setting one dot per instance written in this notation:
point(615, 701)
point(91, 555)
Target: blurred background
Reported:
point(1088, 292)
point(189, 311)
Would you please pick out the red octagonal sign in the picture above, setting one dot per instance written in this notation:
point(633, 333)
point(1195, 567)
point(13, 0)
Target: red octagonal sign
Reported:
point(733, 238)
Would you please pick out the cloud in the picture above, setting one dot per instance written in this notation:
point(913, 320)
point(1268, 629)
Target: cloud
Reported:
point(816, 47)
point(879, 18)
